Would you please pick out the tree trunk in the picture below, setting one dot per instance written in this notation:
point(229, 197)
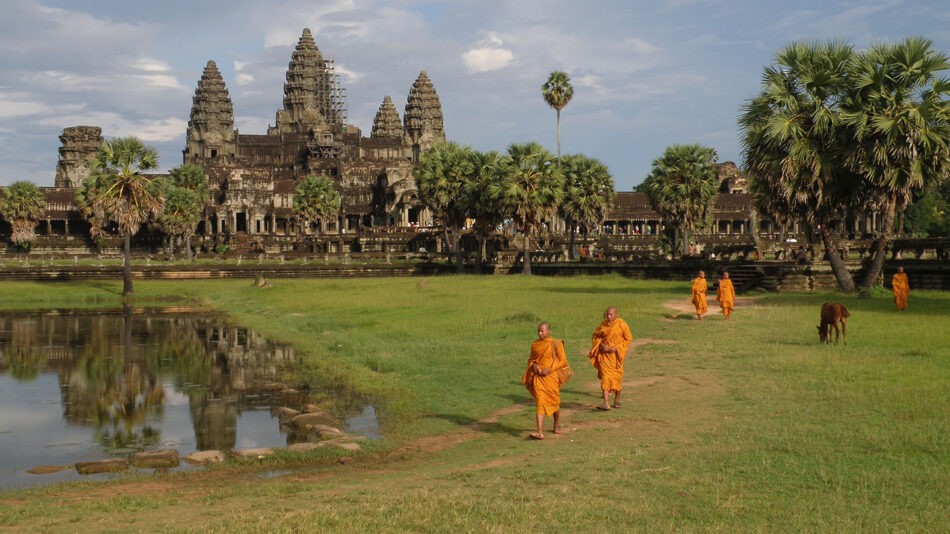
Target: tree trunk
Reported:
point(456, 244)
point(127, 267)
point(526, 254)
point(188, 253)
point(558, 138)
point(879, 247)
point(479, 258)
point(845, 281)
point(676, 241)
point(570, 246)
point(685, 242)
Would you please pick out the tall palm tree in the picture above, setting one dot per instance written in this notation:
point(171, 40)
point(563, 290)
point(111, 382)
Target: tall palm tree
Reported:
point(315, 200)
point(22, 204)
point(486, 206)
point(588, 191)
point(795, 139)
point(123, 194)
point(557, 92)
point(442, 175)
point(899, 108)
point(86, 199)
point(191, 178)
point(534, 187)
point(682, 186)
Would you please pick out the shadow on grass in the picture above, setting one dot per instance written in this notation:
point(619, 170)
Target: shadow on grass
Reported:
point(681, 317)
point(609, 290)
point(488, 427)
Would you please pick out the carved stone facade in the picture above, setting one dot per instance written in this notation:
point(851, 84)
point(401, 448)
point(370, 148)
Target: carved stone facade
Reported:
point(79, 143)
point(253, 177)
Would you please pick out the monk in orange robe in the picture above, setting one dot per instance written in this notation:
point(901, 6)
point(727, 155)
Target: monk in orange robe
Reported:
point(547, 356)
point(699, 294)
point(726, 295)
point(901, 287)
point(608, 349)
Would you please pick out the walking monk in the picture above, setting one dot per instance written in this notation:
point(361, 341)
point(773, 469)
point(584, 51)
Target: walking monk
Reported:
point(699, 294)
point(901, 287)
point(547, 356)
point(609, 347)
point(726, 295)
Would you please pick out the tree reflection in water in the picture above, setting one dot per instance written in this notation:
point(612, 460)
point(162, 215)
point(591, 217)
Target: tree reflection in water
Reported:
point(115, 371)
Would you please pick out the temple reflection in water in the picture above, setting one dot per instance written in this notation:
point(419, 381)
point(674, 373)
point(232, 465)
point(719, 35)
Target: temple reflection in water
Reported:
point(117, 370)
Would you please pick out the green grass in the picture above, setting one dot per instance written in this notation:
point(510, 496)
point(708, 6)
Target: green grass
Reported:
point(746, 425)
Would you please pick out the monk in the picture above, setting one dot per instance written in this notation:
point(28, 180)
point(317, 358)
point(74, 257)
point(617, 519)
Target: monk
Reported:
point(699, 294)
point(726, 295)
point(608, 349)
point(547, 356)
point(901, 287)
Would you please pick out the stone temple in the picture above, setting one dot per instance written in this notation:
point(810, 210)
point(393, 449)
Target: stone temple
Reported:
point(253, 176)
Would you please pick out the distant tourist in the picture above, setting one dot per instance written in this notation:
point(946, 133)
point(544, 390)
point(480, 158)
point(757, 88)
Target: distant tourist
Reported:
point(901, 286)
point(608, 349)
point(699, 294)
point(801, 257)
point(541, 377)
point(726, 295)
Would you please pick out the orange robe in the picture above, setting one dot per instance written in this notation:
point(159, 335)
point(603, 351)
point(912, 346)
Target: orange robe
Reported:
point(548, 353)
point(699, 295)
point(726, 296)
point(610, 365)
point(901, 287)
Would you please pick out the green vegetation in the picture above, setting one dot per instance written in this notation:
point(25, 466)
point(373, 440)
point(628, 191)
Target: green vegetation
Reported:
point(557, 92)
point(315, 200)
point(588, 192)
point(117, 191)
point(834, 131)
point(22, 205)
point(682, 187)
point(749, 425)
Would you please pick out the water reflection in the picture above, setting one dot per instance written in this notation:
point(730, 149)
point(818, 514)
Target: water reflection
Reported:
point(130, 381)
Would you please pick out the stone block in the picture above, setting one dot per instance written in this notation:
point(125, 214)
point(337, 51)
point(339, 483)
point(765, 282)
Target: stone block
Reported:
point(162, 459)
point(47, 469)
point(305, 447)
point(204, 457)
point(304, 420)
point(111, 465)
point(252, 453)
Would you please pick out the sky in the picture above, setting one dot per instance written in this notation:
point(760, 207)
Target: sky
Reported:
point(646, 75)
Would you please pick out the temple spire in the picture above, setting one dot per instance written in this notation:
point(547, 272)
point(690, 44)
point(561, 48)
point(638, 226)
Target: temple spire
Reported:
point(387, 123)
point(423, 116)
point(311, 88)
point(211, 125)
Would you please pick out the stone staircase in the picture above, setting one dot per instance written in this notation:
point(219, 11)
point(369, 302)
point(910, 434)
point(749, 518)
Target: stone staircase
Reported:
point(745, 277)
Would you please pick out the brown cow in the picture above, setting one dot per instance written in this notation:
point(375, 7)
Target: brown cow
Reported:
point(831, 315)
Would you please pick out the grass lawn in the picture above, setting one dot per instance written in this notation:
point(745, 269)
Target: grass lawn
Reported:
point(746, 425)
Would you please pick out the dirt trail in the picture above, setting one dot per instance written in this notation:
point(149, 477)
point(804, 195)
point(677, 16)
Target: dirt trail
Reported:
point(684, 306)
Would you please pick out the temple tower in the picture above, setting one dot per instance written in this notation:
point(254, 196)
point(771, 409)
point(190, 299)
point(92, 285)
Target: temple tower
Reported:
point(423, 116)
point(79, 144)
point(387, 123)
point(313, 99)
point(211, 131)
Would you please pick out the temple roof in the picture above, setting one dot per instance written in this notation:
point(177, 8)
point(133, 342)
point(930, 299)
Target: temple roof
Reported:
point(423, 109)
point(211, 107)
point(387, 123)
point(309, 82)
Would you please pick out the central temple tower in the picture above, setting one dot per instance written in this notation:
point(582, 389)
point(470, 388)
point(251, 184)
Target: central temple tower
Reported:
point(313, 98)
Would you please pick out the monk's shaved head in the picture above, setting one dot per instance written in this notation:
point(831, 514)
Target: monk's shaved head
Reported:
point(545, 325)
point(544, 330)
point(725, 274)
point(610, 314)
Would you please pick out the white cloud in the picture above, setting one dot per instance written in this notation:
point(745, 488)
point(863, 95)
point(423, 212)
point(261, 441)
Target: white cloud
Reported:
point(150, 65)
point(116, 125)
point(349, 75)
point(488, 55)
point(241, 77)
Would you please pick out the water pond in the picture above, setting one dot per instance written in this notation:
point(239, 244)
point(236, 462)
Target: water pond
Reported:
point(81, 385)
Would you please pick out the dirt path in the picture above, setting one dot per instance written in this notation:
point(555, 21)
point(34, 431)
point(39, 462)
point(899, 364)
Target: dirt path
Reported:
point(685, 307)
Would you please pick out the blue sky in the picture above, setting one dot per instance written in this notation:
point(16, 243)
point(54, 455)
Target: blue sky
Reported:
point(646, 74)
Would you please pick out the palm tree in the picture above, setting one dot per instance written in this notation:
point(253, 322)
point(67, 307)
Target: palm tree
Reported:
point(534, 187)
point(123, 194)
point(899, 108)
point(683, 185)
point(181, 214)
point(22, 204)
point(794, 139)
point(486, 207)
point(314, 200)
point(191, 178)
point(86, 196)
point(557, 92)
point(442, 175)
point(588, 192)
